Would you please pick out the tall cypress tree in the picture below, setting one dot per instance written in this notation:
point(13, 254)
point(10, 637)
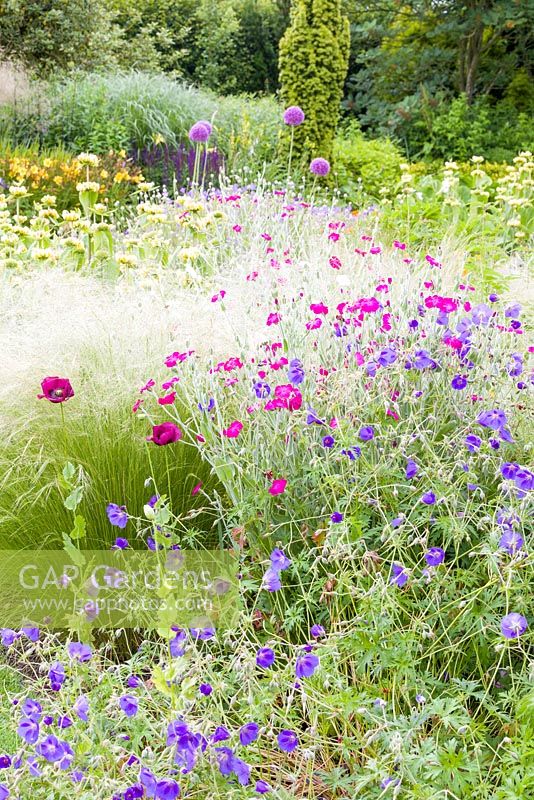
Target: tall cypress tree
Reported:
point(314, 54)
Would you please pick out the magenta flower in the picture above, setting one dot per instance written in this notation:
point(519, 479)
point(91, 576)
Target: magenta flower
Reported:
point(233, 430)
point(320, 167)
point(278, 486)
point(165, 433)
point(294, 115)
point(55, 389)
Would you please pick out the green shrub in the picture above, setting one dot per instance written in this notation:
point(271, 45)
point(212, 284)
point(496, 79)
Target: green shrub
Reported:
point(367, 165)
point(136, 110)
point(313, 65)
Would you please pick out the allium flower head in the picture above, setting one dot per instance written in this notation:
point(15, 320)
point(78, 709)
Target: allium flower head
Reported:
point(199, 133)
point(320, 167)
point(294, 115)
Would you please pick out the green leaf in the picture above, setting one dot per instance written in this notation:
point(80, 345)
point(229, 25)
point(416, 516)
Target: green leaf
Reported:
point(74, 498)
point(69, 471)
point(78, 532)
point(76, 556)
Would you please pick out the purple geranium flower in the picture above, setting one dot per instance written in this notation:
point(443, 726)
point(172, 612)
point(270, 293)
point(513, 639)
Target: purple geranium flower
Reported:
point(411, 469)
point(435, 556)
point(287, 741)
point(317, 631)
point(81, 708)
point(459, 382)
point(271, 580)
point(295, 372)
point(167, 790)
point(513, 625)
point(511, 541)
point(80, 652)
point(56, 674)
point(494, 419)
point(472, 442)
point(429, 498)
point(336, 517)
point(28, 730)
point(265, 657)
point(50, 748)
point(129, 705)
point(367, 433)
point(306, 665)
point(279, 561)
point(117, 515)
point(248, 733)
point(399, 575)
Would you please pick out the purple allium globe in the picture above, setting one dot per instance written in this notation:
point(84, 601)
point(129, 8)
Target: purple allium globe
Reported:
point(513, 625)
point(294, 115)
point(320, 167)
point(199, 133)
point(206, 124)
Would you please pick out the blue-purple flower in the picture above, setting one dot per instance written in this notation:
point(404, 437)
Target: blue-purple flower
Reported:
point(129, 705)
point(117, 515)
point(513, 625)
point(287, 741)
point(435, 556)
point(265, 657)
point(306, 665)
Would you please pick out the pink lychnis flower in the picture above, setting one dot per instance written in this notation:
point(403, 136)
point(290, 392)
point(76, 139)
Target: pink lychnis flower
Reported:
point(233, 430)
point(278, 486)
